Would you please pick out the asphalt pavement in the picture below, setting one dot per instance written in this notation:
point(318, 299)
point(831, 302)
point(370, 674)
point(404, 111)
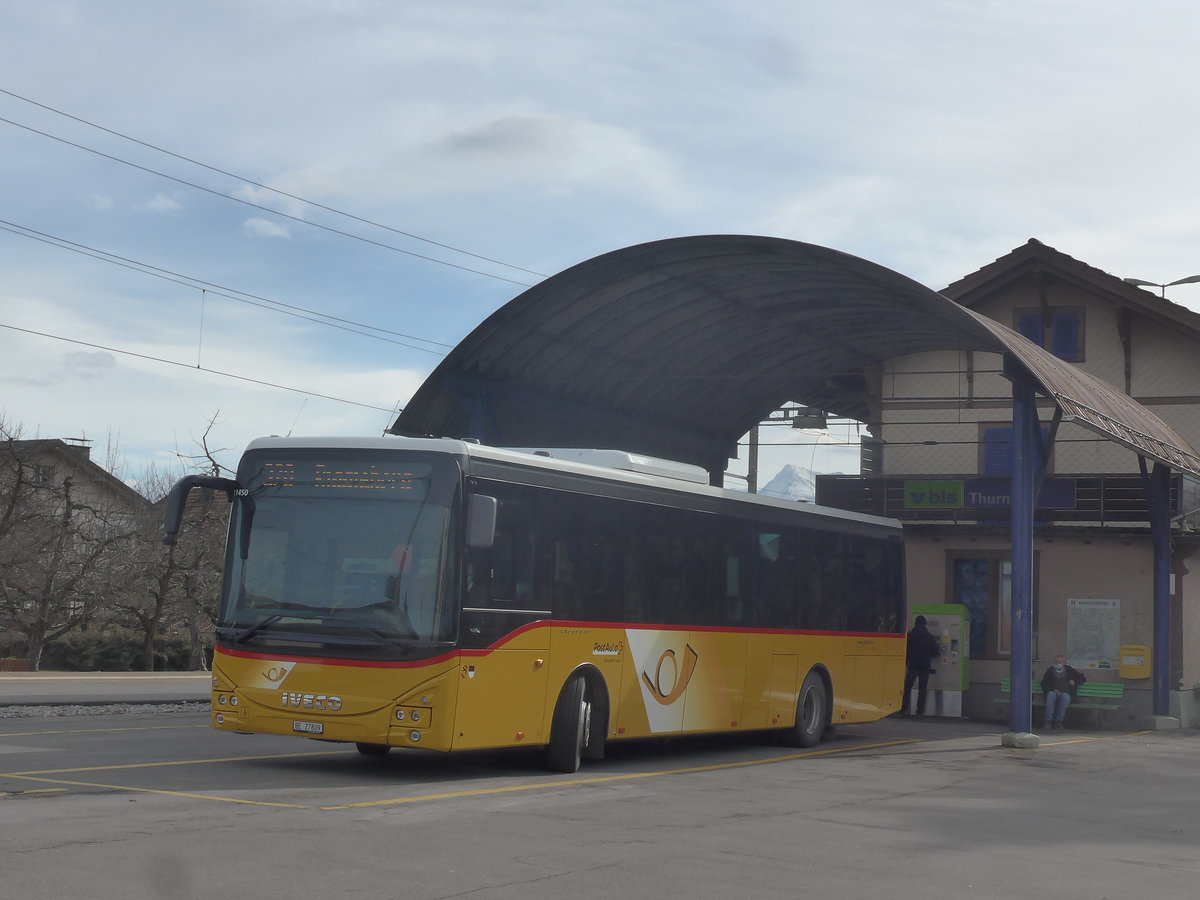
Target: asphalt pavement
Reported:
point(154, 805)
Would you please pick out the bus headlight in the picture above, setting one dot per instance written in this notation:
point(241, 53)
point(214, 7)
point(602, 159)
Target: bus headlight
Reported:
point(420, 717)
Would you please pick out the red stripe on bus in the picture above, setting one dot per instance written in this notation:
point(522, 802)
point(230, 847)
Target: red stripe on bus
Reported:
point(541, 623)
point(330, 661)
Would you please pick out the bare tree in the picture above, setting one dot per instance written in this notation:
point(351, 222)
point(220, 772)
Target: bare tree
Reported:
point(71, 559)
point(56, 539)
point(174, 588)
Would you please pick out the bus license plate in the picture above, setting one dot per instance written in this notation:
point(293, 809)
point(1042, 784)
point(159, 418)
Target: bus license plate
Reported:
point(308, 727)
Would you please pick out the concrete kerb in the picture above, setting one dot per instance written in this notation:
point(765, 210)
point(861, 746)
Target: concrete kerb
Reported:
point(103, 688)
point(1159, 723)
point(1021, 740)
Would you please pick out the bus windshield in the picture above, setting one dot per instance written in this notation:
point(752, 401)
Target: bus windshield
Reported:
point(347, 552)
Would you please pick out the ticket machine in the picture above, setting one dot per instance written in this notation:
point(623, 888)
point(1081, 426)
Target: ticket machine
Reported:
point(950, 624)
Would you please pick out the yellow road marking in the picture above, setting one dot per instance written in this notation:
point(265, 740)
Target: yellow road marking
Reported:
point(141, 790)
point(97, 730)
point(31, 791)
point(178, 762)
point(480, 792)
point(1086, 739)
point(41, 775)
point(1063, 743)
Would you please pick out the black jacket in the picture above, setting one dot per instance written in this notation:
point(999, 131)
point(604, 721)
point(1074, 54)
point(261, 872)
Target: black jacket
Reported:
point(1071, 673)
point(922, 648)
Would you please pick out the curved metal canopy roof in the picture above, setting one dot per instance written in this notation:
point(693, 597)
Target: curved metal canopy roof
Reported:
point(677, 348)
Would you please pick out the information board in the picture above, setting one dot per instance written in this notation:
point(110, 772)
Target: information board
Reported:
point(1093, 633)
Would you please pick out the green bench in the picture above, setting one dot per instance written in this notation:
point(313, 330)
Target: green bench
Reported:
point(1098, 696)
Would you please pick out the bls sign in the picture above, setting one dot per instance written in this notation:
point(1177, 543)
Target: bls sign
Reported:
point(933, 494)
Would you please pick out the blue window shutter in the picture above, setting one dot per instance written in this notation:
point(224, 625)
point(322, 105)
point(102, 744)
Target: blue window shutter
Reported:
point(1065, 336)
point(997, 451)
point(1030, 325)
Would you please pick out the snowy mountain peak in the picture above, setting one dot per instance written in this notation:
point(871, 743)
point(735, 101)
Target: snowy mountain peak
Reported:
point(792, 483)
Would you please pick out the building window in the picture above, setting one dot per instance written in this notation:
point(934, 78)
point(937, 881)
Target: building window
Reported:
point(1059, 330)
point(982, 582)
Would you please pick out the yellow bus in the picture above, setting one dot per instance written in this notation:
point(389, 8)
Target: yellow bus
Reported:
point(444, 595)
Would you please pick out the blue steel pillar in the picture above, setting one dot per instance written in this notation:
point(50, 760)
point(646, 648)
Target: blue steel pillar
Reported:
point(1028, 460)
point(1160, 531)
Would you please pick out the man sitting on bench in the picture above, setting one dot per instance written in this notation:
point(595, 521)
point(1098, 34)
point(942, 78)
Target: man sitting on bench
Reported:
point(1059, 685)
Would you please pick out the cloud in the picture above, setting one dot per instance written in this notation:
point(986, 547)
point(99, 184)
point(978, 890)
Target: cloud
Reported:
point(160, 393)
point(264, 228)
point(159, 408)
point(272, 196)
point(160, 203)
point(98, 202)
point(88, 365)
point(554, 153)
point(521, 139)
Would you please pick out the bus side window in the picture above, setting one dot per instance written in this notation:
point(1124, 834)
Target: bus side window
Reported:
point(501, 576)
point(589, 558)
point(735, 608)
point(773, 582)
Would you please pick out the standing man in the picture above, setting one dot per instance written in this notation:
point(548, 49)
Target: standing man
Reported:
point(922, 650)
point(1059, 685)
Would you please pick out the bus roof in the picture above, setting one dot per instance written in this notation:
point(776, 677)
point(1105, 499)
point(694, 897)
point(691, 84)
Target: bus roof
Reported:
point(641, 470)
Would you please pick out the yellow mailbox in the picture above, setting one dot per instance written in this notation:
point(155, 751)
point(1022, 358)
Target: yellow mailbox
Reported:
point(1135, 661)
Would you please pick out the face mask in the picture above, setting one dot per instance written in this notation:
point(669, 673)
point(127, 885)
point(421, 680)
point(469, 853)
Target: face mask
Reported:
point(1058, 667)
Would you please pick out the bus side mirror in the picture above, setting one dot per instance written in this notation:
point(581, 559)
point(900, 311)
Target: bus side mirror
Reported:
point(177, 500)
point(481, 521)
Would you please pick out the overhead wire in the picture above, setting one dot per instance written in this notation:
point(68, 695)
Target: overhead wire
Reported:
point(258, 206)
point(274, 190)
point(232, 293)
point(220, 290)
point(172, 362)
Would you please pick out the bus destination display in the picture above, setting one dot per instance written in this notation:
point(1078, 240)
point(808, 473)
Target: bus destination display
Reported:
point(356, 475)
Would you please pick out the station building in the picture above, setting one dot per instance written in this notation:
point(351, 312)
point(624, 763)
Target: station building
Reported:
point(938, 458)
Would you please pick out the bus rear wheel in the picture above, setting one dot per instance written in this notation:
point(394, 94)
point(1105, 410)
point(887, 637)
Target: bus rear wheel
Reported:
point(812, 713)
point(570, 729)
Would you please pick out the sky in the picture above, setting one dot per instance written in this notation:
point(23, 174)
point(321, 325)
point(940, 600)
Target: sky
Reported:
point(228, 219)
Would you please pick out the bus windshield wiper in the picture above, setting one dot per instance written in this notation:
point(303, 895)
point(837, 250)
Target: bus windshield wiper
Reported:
point(381, 639)
point(244, 634)
point(387, 640)
point(367, 634)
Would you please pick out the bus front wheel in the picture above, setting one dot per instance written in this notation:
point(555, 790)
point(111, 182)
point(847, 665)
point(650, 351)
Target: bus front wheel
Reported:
point(812, 713)
point(372, 749)
point(570, 729)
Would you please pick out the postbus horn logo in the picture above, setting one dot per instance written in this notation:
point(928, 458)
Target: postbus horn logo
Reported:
point(682, 675)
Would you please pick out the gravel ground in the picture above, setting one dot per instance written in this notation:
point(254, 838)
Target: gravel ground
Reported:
point(99, 709)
